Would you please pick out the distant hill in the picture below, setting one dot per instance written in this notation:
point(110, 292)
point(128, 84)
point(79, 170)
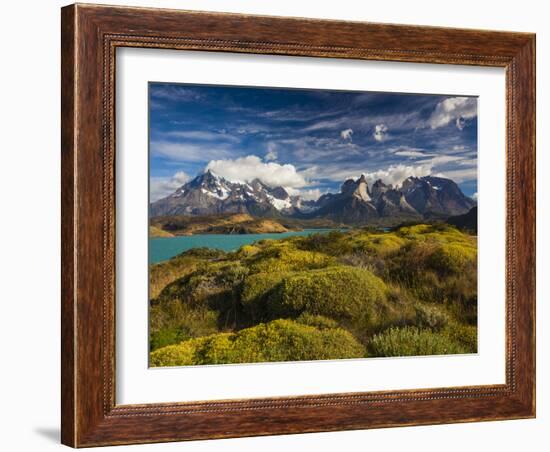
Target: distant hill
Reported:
point(155, 231)
point(467, 221)
point(356, 203)
point(219, 224)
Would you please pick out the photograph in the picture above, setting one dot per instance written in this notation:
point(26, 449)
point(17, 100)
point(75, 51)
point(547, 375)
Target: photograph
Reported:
point(294, 224)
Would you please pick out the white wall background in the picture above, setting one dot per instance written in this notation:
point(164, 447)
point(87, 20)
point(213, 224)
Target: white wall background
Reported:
point(29, 234)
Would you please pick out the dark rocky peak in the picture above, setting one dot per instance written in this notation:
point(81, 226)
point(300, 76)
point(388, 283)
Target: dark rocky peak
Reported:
point(378, 188)
point(435, 196)
point(206, 179)
point(348, 186)
point(379, 184)
point(258, 185)
point(357, 188)
point(279, 193)
point(441, 183)
point(410, 183)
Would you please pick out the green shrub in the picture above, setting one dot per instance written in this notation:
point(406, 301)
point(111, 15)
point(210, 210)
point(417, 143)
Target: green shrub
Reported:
point(258, 285)
point(412, 341)
point(204, 253)
point(284, 257)
point(429, 316)
point(280, 340)
point(174, 321)
point(459, 292)
point(366, 260)
point(379, 244)
point(452, 258)
point(232, 275)
point(334, 243)
point(257, 289)
point(164, 273)
point(466, 335)
point(175, 355)
point(414, 230)
point(248, 250)
point(166, 336)
point(342, 293)
point(318, 321)
point(215, 285)
point(353, 297)
point(439, 270)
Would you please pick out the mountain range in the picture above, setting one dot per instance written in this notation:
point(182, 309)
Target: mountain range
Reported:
point(356, 203)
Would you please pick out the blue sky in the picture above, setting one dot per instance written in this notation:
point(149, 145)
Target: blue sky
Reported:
point(308, 141)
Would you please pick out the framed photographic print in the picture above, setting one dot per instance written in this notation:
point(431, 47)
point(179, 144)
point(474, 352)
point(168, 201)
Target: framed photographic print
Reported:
point(278, 225)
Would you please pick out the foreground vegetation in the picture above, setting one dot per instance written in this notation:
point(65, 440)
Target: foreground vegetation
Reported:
point(360, 293)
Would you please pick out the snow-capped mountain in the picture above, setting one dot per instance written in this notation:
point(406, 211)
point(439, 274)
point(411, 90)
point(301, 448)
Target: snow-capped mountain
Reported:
point(210, 194)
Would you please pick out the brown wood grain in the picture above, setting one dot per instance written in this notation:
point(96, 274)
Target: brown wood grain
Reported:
point(90, 36)
point(67, 226)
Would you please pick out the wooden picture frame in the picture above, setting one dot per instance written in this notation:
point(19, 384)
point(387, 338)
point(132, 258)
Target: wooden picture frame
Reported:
point(90, 36)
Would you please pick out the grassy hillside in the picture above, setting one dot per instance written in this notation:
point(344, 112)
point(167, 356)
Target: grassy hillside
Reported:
point(360, 293)
point(216, 224)
point(155, 231)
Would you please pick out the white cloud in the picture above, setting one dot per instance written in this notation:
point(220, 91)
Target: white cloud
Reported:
point(326, 124)
point(460, 175)
point(380, 132)
point(474, 196)
point(467, 161)
point(396, 174)
point(310, 195)
point(186, 152)
point(456, 109)
point(246, 169)
point(346, 134)
point(161, 187)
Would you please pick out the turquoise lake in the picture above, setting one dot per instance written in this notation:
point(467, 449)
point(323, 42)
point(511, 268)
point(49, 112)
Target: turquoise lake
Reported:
point(161, 248)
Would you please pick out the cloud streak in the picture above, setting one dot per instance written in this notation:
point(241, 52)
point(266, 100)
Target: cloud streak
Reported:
point(186, 152)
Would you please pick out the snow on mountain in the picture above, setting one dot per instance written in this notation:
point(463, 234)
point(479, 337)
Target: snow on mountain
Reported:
point(210, 193)
point(417, 197)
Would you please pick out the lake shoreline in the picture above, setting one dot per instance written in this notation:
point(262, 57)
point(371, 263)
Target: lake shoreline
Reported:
point(162, 249)
point(237, 232)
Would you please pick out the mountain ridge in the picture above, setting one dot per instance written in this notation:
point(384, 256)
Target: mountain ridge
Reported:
point(356, 203)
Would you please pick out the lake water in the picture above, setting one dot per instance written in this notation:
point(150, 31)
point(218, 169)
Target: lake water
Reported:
point(163, 248)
